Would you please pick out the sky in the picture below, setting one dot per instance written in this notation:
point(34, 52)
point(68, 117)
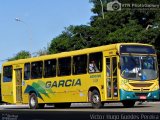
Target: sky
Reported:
point(31, 24)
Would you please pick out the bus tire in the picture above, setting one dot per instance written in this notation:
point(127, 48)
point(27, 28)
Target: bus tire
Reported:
point(96, 99)
point(33, 101)
point(128, 103)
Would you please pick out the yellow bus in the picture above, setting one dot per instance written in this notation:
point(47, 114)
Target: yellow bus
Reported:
point(122, 72)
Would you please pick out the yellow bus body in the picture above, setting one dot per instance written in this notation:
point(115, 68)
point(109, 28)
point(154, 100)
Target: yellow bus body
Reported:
point(72, 88)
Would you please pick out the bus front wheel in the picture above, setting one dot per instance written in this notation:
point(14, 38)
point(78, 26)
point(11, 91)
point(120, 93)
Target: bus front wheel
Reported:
point(96, 99)
point(128, 103)
point(33, 102)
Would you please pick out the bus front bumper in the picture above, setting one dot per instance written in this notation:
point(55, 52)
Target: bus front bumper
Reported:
point(139, 96)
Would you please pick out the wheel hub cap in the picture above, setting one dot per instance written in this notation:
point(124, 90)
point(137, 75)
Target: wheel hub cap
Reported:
point(33, 102)
point(95, 99)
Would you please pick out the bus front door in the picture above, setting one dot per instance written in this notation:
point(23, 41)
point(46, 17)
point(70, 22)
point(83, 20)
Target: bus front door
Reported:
point(111, 78)
point(18, 77)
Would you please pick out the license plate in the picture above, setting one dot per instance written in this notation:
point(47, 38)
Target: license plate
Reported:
point(143, 97)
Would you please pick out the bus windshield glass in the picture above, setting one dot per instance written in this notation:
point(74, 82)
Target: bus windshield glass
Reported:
point(138, 67)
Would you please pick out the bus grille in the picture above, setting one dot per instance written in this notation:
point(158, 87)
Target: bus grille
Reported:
point(141, 84)
point(141, 90)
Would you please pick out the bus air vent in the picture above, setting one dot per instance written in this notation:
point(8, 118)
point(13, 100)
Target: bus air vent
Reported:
point(141, 84)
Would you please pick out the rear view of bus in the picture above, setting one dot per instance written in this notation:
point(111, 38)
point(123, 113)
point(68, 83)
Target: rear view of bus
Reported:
point(138, 79)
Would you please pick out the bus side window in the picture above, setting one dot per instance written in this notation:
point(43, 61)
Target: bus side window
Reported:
point(79, 64)
point(64, 65)
point(95, 62)
point(50, 68)
point(27, 71)
point(7, 74)
point(36, 70)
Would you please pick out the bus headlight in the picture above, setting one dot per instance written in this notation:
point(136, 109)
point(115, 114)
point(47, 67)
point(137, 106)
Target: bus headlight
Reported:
point(126, 87)
point(156, 87)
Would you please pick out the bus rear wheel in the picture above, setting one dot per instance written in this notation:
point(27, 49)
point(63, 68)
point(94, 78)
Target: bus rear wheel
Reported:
point(33, 102)
point(96, 99)
point(128, 103)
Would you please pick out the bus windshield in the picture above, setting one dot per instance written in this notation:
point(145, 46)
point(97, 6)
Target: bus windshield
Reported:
point(138, 67)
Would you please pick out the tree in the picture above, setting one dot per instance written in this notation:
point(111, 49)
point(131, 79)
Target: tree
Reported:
point(127, 25)
point(73, 38)
point(21, 55)
point(41, 52)
point(60, 43)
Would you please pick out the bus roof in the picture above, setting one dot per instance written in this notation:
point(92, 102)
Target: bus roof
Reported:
point(71, 53)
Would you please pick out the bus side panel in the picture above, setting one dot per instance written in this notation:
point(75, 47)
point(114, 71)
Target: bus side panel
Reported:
point(63, 89)
point(8, 89)
point(7, 92)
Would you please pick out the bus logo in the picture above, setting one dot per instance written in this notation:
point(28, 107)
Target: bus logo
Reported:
point(63, 83)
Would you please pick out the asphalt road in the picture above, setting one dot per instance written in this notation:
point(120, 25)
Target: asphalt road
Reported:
point(108, 107)
point(112, 111)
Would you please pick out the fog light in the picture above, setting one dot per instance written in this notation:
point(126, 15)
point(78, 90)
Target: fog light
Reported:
point(128, 97)
point(155, 96)
point(149, 95)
